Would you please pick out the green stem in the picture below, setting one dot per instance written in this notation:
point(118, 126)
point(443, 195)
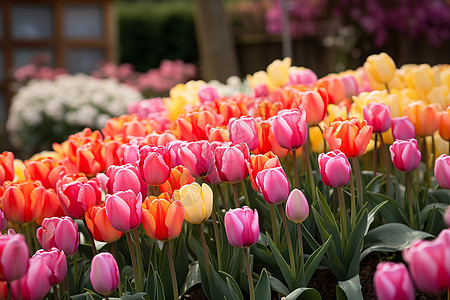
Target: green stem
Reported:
point(309, 168)
point(387, 165)
point(352, 202)
point(300, 241)
point(222, 197)
point(357, 173)
point(106, 298)
point(426, 160)
point(244, 188)
point(217, 239)
point(66, 284)
point(55, 292)
point(113, 252)
point(288, 238)
point(387, 88)
point(235, 194)
point(8, 291)
point(294, 159)
point(205, 250)
point(251, 289)
point(343, 213)
point(172, 272)
point(374, 164)
point(133, 262)
point(91, 238)
point(139, 258)
point(433, 150)
point(75, 270)
point(410, 198)
point(324, 140)
point(273, 218)
point(448, 294)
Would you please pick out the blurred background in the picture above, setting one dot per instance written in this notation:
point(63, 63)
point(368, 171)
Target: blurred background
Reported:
point(149, 46)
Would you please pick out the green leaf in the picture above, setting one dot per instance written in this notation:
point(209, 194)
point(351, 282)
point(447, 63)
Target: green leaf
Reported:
point(354, 245)
point(391, 237)
point(372, 213)
point(138, 296)
point(391, 211)
point(304, 294)
point(234, 289)
point(262, 289)
point(284, 267)
point(349, 289)
point(193, 277)
point(86, 296)
point(154, 286)
point(314, 260)
point(218, 286)
point(277, 286)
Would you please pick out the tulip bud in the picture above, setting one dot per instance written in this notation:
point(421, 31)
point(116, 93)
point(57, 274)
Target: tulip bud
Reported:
point(104, 273)
point(442, 171)
point(56, 262)
point(380, 68)
point(14, 256)
point(334, 168)
point(297, 207)
point(290, 128)
point(242, 227)
point(243, 130)
point(154, 164)
point(197, 202)
point(274, 185)
point(378, 116)
point(278, 71)
point(123, 210)
point(197, 157)
point(162, 219)
point(261, 90)
point(61, 233)
point(405, 155)
point(315, 104)
point(231, 161)
point(392, 282)
point(36, 282)
point(402, 128)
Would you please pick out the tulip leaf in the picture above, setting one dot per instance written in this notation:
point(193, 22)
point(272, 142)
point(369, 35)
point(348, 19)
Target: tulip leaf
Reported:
point(441, 195)
point(86, 296)
point(193, 277)
point(314, 260)
point(284, 267)
point(391, 237)
point(391, 211)
point(138, 296)
point(234, 288)
point(277, 286)
point(262, 289)
point(304, 294)
point(372, 213)
point(312, 243)
point(218, 285)
point(195, 246)
point(349, 289)
point(354, 244)
point(154, 286)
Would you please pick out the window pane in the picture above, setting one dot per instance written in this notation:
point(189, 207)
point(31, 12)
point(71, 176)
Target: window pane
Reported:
point(32, 21)
point(83, 60)
point(2, 65)
point(24, 56)
point(83, 21)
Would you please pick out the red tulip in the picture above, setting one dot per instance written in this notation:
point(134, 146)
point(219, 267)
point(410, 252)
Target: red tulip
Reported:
point(6, 166)
point(76, 197)
point(258, 163)
point(178, 177)
point(315, 104)
point(45, 169)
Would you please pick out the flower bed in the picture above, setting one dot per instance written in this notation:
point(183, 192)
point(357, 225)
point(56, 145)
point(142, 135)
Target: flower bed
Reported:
point(245, 196)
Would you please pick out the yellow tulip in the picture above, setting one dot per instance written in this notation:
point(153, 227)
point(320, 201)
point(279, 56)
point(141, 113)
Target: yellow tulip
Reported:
point(422, 78)
point(316, 138)
point(278, 71)
point(335, 111)
point(19, 170)
point(197, 201)
point(175, 107)
point(439, 95)
point(444, 77)
point(380, 68)
point(260, 78)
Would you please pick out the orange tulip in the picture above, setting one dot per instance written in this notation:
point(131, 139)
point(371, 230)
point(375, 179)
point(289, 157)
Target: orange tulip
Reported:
point(22, 201)
point(193, 126)
point(127, 125)
point(228, 109)
point(178, 177)
point(335, 88)
point(315, 104)
point(444, 124)
point(162, 219)
point(350, 136)
point(425, 118)
point(267, 141)
point(262, 108)
point(51, 206)
point(258, 163)
point(44, 169)
point(159, 139)
point(6, 166)
point(218, 134)
point(99, 225)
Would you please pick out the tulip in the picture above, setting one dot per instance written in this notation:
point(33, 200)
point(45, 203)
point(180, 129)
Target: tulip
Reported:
point(447, 216)
point(290, 128)
point(442, 171)
point(405, 155)
point(392, 282)
point(380, 68)
point(261, 90)
point(22, 201)
point(243, 130)
point(179, 176)
point(14, 256)
point(334, 168)
point(218, 134)
point(428, 263)
point(122, 178)
point(421, 78)
point(61, 233)
point(154, 164)
point(304, 76)
point(258, 163)
point(197, 157)
point(402, 128)
point(267, 141)
point(162, 219)
point(230, 161)
point(56, 262)
point(424, 117)
point(444, 124)
point(315, 104)
point(197, 201)
point(378, 116)
point(334, 87)
point(123, 210)
point(207, 93)
point(128, 153)
point(278, 71)
point(36, 282)
point(274, 185)
point(297, 207)
point(351, 86)
point(350, 136)
point(99, 225)
point(174, 154)
point(3, 220)
point(45, 169)
point(242, 227)
point(6, 166)
point(76, 197)
point(104, 273)
point(51, 206)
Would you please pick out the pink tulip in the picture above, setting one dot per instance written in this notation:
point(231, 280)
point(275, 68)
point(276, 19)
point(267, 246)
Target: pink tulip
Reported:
point(442, 171)
point(123, 210)
point(128, 153)
point(274, 185)
point(305, 77)
point(297, 207)
point(261, 90)
point(351, 86)
point(290, 129)
point(242, 227)
point(14, 256)
point(122, 178)
point(405, 155)
point(198, 158)
point(208, 93)
point(378, 115)
point(154, 164)
point(3, 221)
point(61, 233)
point(429, 263)
point(315, 104)
point(392, 282)
point(36, 282)
point(173, 148)
point(334, 168)
point(77, 196)
point(230, 161)
point(243, 130)
point(402, 128)
point(104, 273)
point(56, 262)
